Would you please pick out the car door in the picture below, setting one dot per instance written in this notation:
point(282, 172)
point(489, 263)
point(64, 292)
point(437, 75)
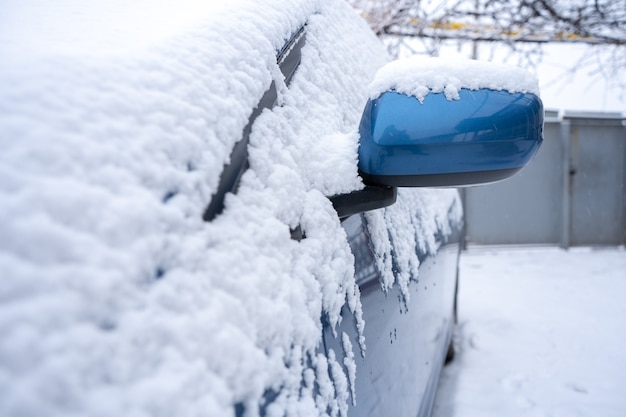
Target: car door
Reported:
point(407, 331)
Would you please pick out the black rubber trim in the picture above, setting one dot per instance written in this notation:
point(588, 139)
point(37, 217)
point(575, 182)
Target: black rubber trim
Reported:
point(369, 198)
point(229, 180)
point(440, 180)
point(288, 59)
point(290, 56)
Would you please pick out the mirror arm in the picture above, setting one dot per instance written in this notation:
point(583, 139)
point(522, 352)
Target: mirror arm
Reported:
point(369, 198)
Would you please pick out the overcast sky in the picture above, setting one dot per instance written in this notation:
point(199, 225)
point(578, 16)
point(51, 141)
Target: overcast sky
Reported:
point(582, 91)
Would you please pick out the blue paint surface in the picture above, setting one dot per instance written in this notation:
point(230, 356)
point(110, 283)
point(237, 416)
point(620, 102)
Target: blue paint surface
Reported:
point(486, 130)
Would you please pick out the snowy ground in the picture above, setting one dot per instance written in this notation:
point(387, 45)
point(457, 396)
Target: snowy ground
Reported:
point(542, 333)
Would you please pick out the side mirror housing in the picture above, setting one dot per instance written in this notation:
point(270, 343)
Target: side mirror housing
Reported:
point(480, 136)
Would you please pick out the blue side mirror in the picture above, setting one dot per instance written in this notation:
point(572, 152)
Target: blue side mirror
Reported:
point(484, 136)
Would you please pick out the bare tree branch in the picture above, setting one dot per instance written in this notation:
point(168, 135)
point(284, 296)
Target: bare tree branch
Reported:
point(524, 26)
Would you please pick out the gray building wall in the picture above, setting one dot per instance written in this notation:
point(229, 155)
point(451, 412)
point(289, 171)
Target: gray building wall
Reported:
point(571, 194)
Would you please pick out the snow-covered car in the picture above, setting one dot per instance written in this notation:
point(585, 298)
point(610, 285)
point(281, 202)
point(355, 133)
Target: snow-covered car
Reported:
point(201, 219)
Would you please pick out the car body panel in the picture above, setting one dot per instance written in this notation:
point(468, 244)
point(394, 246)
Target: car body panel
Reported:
point(406, 335)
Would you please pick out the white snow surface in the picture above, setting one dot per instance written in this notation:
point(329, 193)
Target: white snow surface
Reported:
point(418, 76)
point(115, 122)
point(541, 333)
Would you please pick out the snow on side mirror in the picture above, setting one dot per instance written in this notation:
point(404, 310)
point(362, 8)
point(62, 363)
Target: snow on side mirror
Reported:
point(431, 122)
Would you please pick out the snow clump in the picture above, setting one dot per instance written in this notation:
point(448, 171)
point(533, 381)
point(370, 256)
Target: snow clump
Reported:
point(418, 76)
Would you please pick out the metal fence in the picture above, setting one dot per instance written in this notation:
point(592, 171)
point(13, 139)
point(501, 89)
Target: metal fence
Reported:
point(573, 193)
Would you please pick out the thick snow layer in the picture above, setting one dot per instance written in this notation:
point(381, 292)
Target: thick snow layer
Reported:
point(541, 333)
point(417, 76)
point(115, 122)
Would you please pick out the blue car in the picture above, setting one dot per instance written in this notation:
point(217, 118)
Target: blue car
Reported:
point(242, 209)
